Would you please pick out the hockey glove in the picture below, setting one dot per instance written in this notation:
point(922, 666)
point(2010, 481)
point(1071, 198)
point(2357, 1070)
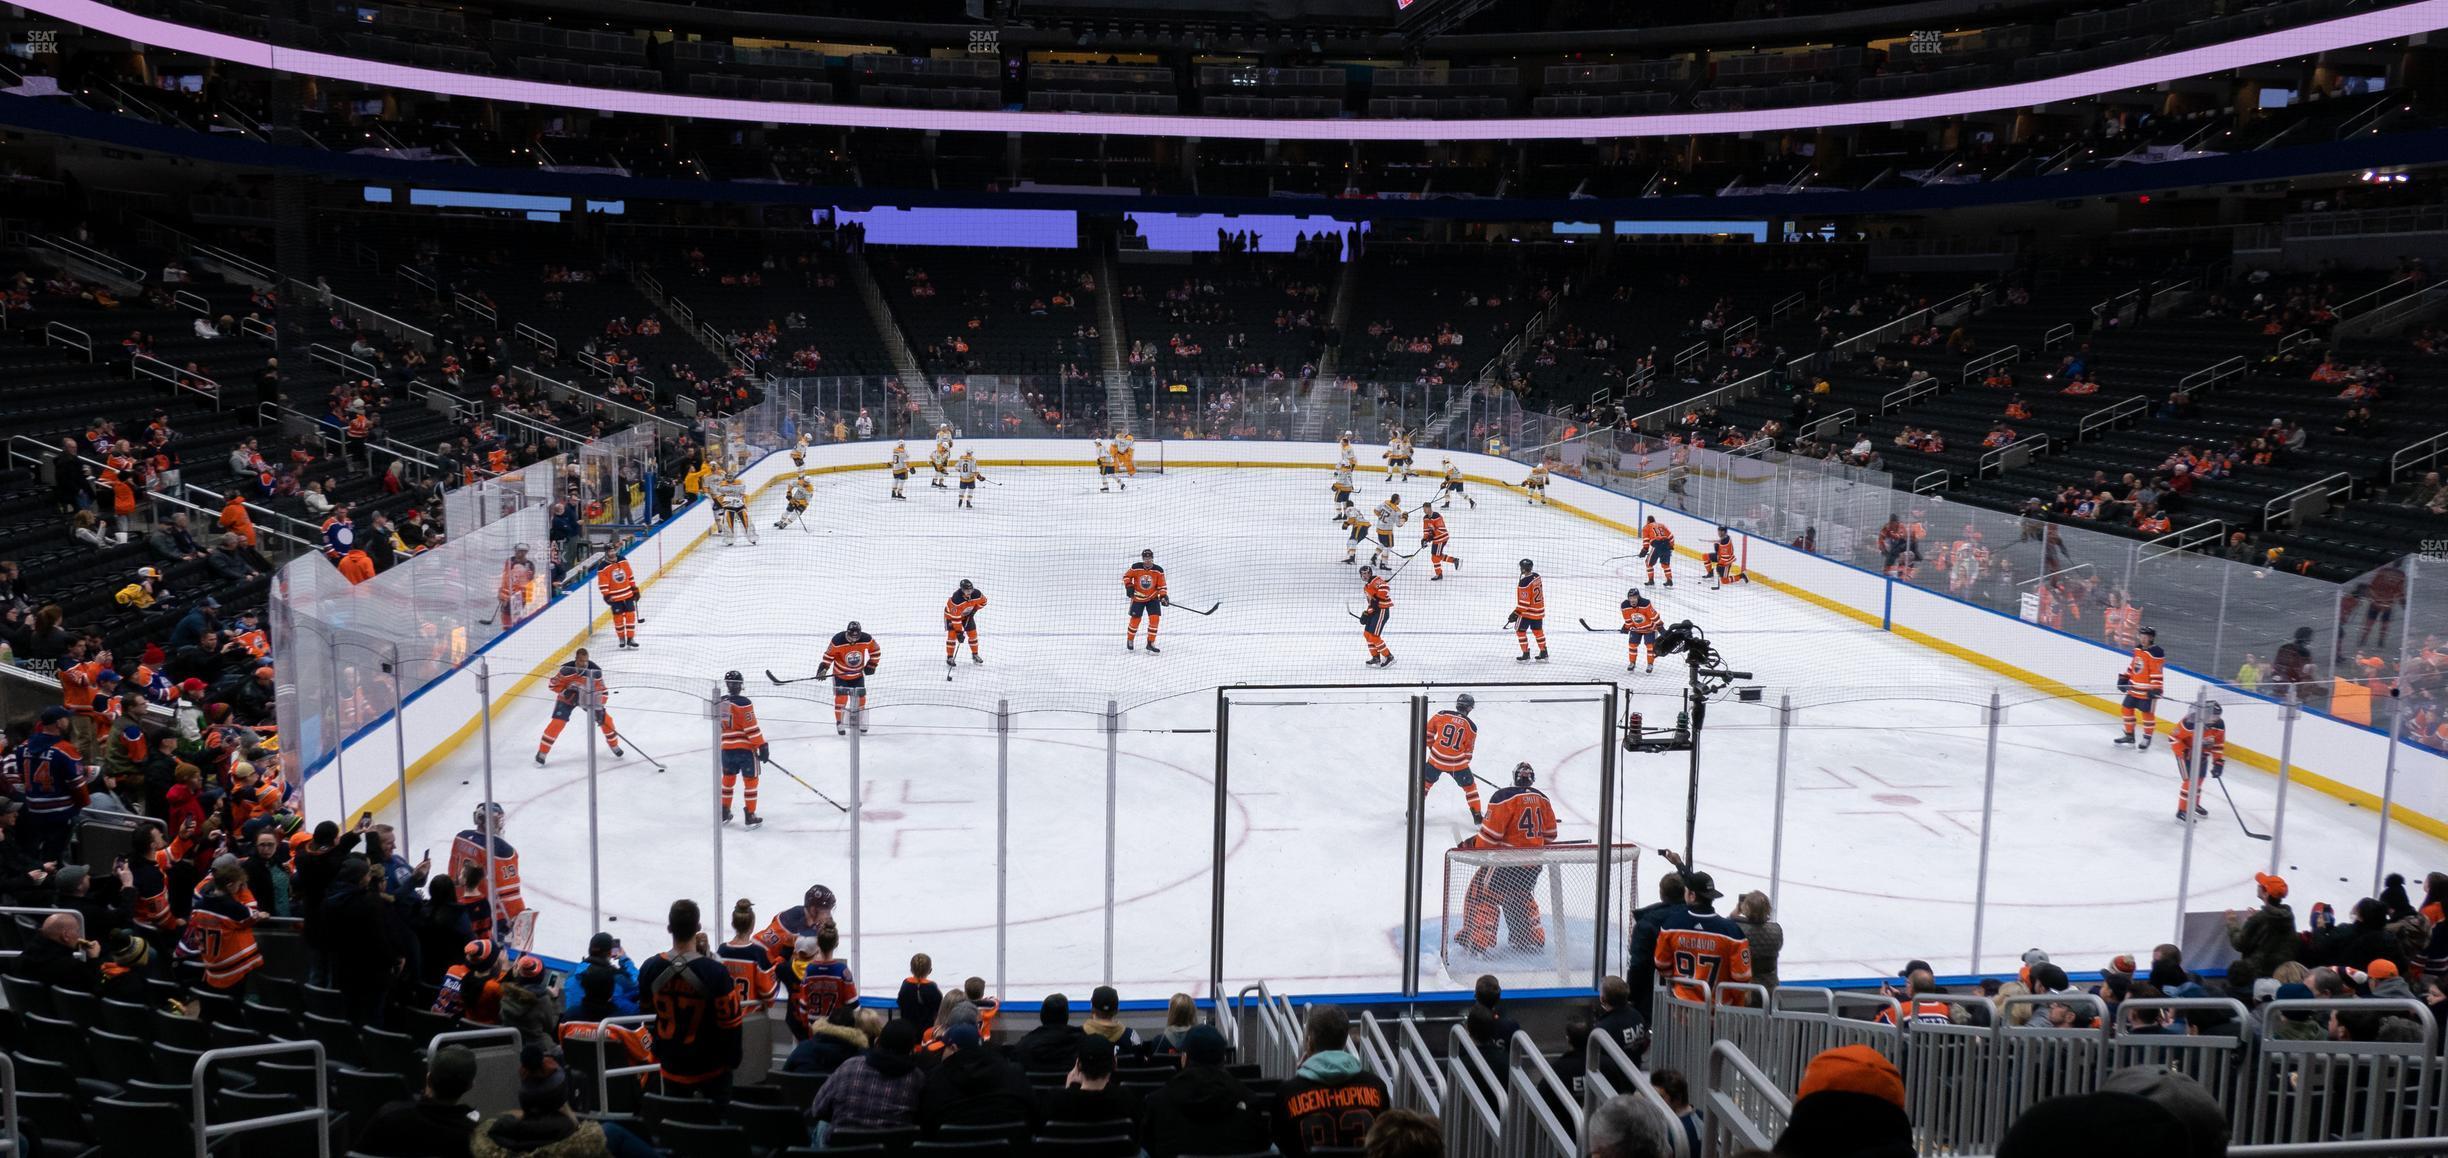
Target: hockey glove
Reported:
point(2218, 769)
point(2123, 682)
point(765, 755)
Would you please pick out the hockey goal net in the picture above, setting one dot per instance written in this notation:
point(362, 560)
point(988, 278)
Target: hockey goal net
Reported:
point(1535, 908)
point(1149, 455)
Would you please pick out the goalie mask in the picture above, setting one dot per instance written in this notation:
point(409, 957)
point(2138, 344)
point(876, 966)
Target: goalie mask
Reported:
point(1523, 776)
point(488, 818)
point(731, 680)
point(1465, 702)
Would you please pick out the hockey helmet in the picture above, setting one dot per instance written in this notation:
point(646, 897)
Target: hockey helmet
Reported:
point(967, 585)
point(521, 549)
point(853, 628)
point(732, 680)
point(488, 817)
point(1148, 553)
point(1465, 702)
point(2212, 706)
point(1525, 564)
point(1366, 571)
point(1523, 776)
point(2152, 632)
point(819, 897)
point(1638, 599)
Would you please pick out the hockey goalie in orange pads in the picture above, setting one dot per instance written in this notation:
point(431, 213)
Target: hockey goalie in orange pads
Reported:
point(1517, 817)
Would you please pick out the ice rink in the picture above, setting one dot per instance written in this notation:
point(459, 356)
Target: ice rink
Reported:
point(1884, 769)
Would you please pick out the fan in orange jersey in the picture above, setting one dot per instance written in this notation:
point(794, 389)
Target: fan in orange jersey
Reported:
point(2190, 776)
point(1380, 598)
point(578, 683)
point(1434, 536)
point(2143, 681)
point(485, 846)
point(815, 911)
point(617, 583)
point(750, 966)
point(1697, 945)
point(1641, 623)
point(1145, 584)
point(1451, 739)
point(1517, 817)
point(960, 620)
point(1720, 560)
point(852, 657)
point(743, 747)
point(1657, 549)
point(1529, 616)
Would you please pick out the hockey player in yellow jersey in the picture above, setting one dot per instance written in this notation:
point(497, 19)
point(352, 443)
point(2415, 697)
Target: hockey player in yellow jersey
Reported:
point(1453, 487)
point(1536, 484)
point(1345, 456)
point(1357, 523)
point(1342, 491)
point(1398, 457)
point(799, 452)
point(900, 469)
point(941, 460)
point(795, 503)
point(969, 476)
point(1107, 463)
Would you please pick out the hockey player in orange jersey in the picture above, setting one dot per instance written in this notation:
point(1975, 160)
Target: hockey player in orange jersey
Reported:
point(1379, 597)
point(1434, 536)
point(960, 621)
point(2143, 681)
point(578, 683)
point(1695, 944)
point(1641, 624)
point(617, 583)
point(851, 658)
point(2192, 777)
point(1451, 739)
point(483, 844)
point(1529, 618)
point(1144, 583)
point(1517, 817)
point(743, 747)
point(1657, 549)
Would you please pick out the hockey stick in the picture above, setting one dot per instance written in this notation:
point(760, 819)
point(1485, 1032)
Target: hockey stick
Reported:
point(2239, 813)
point(658, 764)
point(1211, 608)
point(804, 784)
point(1585, 626)
point(779, 681)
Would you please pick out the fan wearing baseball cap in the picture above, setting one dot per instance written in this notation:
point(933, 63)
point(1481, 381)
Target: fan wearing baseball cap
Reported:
point(1850, 1105)
point(2266, 938)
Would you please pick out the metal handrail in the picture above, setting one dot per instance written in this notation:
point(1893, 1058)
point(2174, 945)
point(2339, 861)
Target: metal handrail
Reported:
point(2346, 308)
point(413, 334)
point(2108, 416)
point(2056, 334)
point(344, 361)
point(605, 1074)
point(1689, 354)
point(1920, 482)
point(539, 427)
point(416, 277)
point(1786, 305)
point(2181, 539)
point(1471, 1088)
point(2032, 443)
point(79, 251)
point(2334, 485)
point(260, 513)
point(152, 367)
point(1738, 329)
point(12, 911)
point(1725, 1114)
point(1603, 1056)
point(1423, 1060)
point(2426, 452)
point(246, 265)
point(475, 306)
point(1837, 421)
point(259, 328)
point(1529, 1077)
point(191, 300)
point(537, 338)
point(63, 334)
point(2212, 375)
point(320, 1115)
point(2003, 356)
point(551, 383)
point(467, 1036)
point(2373, 320)
point(1907, 394)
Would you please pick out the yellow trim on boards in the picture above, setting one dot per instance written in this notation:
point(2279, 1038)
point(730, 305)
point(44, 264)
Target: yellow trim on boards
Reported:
point(2421, 822)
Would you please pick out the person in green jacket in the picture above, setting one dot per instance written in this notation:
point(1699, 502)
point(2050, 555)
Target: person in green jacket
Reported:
point(2266, 938)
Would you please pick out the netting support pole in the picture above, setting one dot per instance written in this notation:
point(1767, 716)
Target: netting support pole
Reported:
point(2388, 795)
point(714, 750)
point(858, 829)
point(1776, 831)
point(1980, 886)
point(399, 747)
point(2218, 641)
point(1600, 939)
point(1113, 791)
point(1415, 836)
point(1003, 843)
point(484, 716)
point(2289, 707)
point(2191, 770)
point(331, 663)
point(594, 725)
point(1223, 809)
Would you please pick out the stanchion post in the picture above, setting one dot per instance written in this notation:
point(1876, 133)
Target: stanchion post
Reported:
point(1113, 787)
point(2388, 795)
point(2191, 771)
point(2289, 708)
point(1980, 887)
point(1002, 845)
point(1776, 832)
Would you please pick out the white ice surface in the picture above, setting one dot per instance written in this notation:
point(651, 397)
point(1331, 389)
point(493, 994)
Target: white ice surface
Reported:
point(1882, 815)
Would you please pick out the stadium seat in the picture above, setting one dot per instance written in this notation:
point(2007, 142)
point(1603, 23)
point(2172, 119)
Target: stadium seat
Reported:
point(126, 1017)
point(323, 1002)
point(895, 1141)
point(701, 1140)
point(777, 1127)
point(359, 1093)
point(53, 1117)
point(798, 1089)
point(273, 1021)
point(393, 1053)
point(1118, 1126)
point(1113, 1146)
point(971, 1148)
point(174, 1063)
point(76, 1005)
point(340, 1039)
point(118, 1057)
point(184, 1032)
point(146, 1127)
point(657, 1109)
point(299, 1080)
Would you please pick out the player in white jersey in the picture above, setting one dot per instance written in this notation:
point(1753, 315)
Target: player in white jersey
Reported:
point(1453, 486)
point(1389, 517)
point(1107, 463)
point(795, 504)
point(969, 476)
point(1536, 484)
point(941, 460)
point(799, 452)
point(900, 468)
point(1342, 491)
point(1398, 457)
point(731, 509)
point(1345, 456)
